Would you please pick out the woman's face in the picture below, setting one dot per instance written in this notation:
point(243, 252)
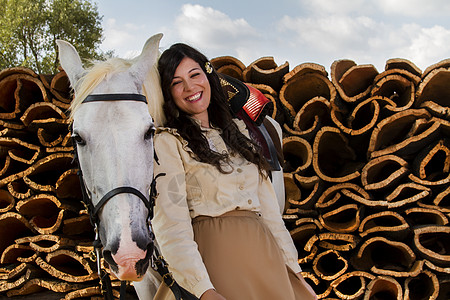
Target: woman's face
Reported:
point(191, 90)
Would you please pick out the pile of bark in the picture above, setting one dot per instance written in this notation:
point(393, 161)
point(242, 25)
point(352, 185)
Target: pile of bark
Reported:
point(366, 167)
point(45, 232)
point(367, 173)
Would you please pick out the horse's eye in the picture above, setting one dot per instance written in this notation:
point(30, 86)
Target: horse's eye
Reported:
point(150, 132)
point(78, 139)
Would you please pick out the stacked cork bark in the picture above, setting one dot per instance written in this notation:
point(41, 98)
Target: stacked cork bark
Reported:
point(367, 161)
point(45, 233)
point(367, 172)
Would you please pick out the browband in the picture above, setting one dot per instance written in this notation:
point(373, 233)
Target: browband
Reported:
point(115, 97)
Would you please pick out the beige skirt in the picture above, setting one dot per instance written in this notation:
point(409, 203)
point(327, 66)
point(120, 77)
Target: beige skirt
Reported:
point(243, 259)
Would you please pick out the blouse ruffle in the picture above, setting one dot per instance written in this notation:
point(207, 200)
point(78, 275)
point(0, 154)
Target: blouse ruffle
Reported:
point(175, 133)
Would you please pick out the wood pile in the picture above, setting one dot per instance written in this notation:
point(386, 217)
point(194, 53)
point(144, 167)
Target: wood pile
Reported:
point(367, 172)
point(45, 233)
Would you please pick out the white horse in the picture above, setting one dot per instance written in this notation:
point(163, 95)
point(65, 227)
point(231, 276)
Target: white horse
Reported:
point(114, 141)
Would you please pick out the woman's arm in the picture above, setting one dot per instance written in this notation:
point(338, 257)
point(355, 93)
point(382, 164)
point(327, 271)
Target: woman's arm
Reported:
point(211, 295)
point(172, 222)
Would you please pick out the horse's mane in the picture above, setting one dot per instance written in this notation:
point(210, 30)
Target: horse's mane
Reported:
point(101, 70)
point(152, 90)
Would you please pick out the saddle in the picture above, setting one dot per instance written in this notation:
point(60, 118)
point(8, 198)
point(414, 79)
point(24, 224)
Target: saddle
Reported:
point(250, 105)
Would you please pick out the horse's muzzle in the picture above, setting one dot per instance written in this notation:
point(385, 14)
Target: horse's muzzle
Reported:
point(132, 266)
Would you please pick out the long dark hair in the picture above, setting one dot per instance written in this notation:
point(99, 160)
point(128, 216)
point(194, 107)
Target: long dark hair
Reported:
point(218, 112)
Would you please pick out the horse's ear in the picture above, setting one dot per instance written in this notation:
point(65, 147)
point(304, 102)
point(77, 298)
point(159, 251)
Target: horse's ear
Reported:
point(148, 57)
point(70, 61)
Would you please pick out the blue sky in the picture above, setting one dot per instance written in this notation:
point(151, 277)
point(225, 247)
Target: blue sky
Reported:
point(296, 31)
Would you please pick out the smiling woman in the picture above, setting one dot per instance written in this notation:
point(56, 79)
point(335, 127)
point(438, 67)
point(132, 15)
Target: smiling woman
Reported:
point(191, 91)
point(220, 227)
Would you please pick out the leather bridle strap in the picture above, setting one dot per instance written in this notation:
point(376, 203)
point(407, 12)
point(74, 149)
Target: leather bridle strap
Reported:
point(115, 97)
point(121, 190)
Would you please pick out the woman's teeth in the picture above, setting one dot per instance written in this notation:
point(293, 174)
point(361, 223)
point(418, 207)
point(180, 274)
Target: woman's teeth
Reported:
point(194, 97)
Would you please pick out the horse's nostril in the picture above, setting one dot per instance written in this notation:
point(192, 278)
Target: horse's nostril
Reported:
point(110, 260)
point(143, 264)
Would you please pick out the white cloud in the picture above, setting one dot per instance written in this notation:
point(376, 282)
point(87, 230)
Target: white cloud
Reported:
point(366, 31)
point(126, 40)
point(364, 39)
point(325, 7)
point(407, 8)
point(415, 8)
point(331, 38)
point(327, 33)
point(428, 45)
point(113, 35)
point(211, 30)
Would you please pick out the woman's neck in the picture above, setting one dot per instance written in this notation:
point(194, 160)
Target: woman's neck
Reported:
point(202, 120)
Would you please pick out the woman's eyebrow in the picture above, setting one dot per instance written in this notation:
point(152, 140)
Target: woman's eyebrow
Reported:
point(194, 69)
point(190, 71)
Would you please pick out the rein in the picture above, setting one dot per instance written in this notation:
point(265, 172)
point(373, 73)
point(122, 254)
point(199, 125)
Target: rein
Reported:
point(106, 287)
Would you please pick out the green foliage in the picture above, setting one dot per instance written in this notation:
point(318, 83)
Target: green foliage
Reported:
point(29, 30)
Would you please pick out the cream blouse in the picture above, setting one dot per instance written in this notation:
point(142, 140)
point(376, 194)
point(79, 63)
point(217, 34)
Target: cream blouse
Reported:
point(191, 188)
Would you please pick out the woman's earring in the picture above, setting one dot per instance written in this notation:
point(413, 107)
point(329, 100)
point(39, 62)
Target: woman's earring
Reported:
point(208, 67)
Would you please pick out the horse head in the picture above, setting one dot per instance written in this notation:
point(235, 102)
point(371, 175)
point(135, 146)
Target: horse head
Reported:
point(114, 143)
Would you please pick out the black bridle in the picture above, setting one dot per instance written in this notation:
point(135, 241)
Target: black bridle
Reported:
point(93, 210)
